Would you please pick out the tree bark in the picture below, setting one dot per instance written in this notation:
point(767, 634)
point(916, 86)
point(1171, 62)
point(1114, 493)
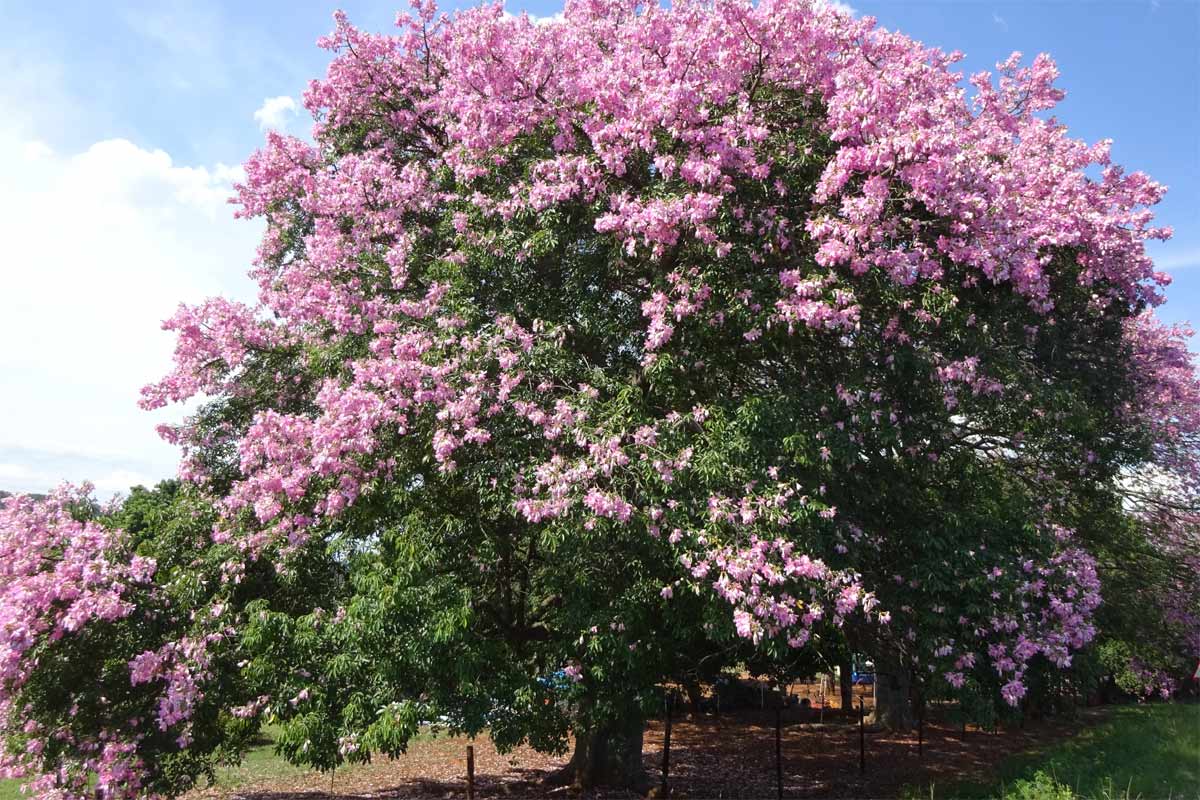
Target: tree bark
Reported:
point(695, 698)
point(893, 699)
point(845, 684)
point(610, 756)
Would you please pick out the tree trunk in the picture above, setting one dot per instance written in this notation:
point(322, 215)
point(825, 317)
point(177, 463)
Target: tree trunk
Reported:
point(695, 698)
point(845, 684)
point(893, 699)
point(610, 756)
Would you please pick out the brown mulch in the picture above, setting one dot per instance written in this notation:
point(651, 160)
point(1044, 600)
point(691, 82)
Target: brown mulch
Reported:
point(731, 756)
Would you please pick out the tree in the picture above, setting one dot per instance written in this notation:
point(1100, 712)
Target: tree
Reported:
point(111, 630)
point(592, 351)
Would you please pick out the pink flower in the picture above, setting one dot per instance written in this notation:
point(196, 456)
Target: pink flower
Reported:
point(1013, 691)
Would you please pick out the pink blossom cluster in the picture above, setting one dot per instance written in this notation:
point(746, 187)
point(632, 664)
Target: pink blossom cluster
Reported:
point(289, 458)
point(182, 666)
point(965, 372)
point(1168, 399)
point(211, 342)
point(775, 591)
point(1153, 681)
point(57, 575)
point(1046, 608)
point(112, 769)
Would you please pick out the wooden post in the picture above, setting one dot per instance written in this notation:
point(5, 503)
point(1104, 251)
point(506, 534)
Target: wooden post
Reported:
point(779, 748)
point(470, 772)
point(666, 762)
point(862, 737)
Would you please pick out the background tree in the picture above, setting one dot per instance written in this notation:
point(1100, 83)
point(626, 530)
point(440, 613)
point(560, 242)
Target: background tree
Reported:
point(114, 620)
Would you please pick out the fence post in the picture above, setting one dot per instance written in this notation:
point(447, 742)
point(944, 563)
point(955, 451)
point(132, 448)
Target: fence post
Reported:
point(470, 772)
point(779, 748)
point(921, 732)
point(666, 762)
point(862, 737)
point(918, 695)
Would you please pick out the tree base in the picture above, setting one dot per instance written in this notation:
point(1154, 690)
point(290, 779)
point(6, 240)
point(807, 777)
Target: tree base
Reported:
point(893, 701)
point(610, 756)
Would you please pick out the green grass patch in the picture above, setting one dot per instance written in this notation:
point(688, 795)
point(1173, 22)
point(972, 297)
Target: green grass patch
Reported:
point(259, 765)
point(1149, 752)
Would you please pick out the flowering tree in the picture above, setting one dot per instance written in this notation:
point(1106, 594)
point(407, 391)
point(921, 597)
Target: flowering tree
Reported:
point(106, 642)
point(1155, 568)
point(586, 346)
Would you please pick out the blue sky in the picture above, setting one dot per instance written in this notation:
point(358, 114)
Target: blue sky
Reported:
point(123, 123)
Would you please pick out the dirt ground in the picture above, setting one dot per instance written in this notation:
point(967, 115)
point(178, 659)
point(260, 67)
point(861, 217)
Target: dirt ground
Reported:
point(730, 756)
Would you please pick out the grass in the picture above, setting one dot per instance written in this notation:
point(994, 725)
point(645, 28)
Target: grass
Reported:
point(1148, 752)
point(260, 765)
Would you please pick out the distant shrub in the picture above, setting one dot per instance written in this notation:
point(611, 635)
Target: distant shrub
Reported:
point(1042, 786)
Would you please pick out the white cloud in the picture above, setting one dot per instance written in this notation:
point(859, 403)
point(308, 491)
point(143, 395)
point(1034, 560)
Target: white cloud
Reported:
point(275, 112)
point(23, 478)
point(1000, 21)
point(536, 19)
point(120, 481)
point(34, 150)
point(100, 246)
point(839, 6)
point(539, 20)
